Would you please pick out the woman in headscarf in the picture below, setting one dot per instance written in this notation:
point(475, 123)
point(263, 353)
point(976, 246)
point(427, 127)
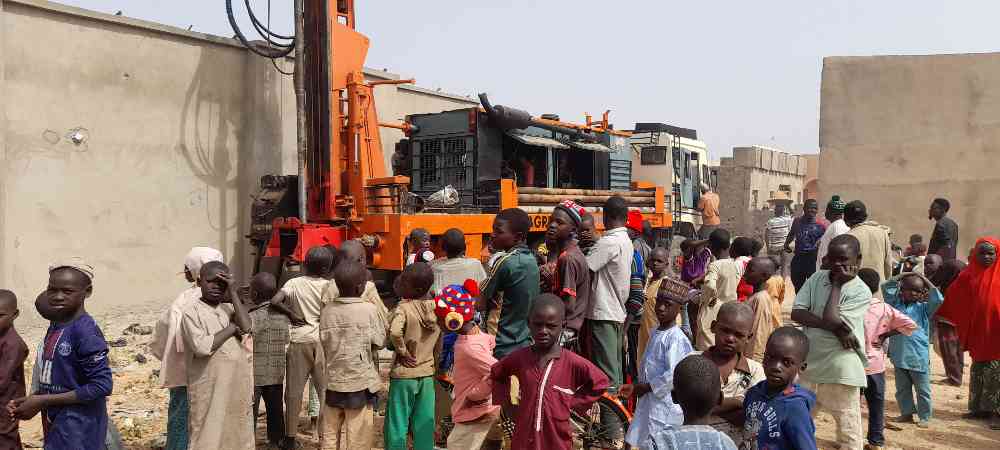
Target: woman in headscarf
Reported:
point(973, 305)
point(948, 343)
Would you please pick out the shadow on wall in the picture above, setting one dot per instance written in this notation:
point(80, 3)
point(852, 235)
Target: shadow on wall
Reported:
point(209, 142)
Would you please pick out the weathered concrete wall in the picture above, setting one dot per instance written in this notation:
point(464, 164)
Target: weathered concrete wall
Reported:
point(179, 126)
point(761, 171)
point(897, 131)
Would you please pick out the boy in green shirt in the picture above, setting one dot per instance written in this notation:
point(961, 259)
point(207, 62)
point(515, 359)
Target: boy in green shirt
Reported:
point(831, 306)
point(511, 284)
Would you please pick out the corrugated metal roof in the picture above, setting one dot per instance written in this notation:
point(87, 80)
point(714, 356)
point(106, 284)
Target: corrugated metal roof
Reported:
point(537, 141)
point(594, 147)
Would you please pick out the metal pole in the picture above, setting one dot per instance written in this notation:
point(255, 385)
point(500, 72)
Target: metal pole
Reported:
point(300, 104)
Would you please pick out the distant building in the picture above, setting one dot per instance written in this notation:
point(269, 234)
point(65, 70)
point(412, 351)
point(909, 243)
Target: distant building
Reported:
point(749, 178)
point(811, 187)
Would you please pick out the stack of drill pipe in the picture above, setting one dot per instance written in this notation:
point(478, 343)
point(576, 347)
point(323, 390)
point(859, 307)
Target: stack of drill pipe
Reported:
point(546, 209)
point(551, 196)
point(537, 200)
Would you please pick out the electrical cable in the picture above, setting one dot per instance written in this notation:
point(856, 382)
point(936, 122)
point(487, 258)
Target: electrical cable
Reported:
point(239, 36)
point(253, 18)
point(264, 31)
point(274, 61)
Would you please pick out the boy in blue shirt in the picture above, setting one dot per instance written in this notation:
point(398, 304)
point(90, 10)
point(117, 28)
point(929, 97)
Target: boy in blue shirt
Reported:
point(778, 410)
point(668, 345)
point(698, 390)
point(913, 295)
point(75, 379)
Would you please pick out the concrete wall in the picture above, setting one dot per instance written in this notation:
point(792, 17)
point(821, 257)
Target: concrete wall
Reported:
point(756, 169)
point(897, 131)
point(179, 126)
point(811, 187)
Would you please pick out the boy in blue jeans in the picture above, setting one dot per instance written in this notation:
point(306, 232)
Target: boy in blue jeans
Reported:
point(778, 410)
point(913, 295)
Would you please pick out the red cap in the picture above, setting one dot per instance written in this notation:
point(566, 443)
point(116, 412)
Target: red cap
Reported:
point(634, 221)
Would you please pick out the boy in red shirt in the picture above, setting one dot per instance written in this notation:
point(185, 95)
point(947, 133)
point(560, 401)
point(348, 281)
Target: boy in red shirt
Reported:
point(553, 381)
point(13, 352)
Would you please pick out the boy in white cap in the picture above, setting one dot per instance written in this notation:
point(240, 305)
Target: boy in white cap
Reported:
point(75, 379)
point(168, 347)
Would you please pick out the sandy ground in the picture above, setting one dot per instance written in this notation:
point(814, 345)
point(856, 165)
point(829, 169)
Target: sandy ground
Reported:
point(138, 405)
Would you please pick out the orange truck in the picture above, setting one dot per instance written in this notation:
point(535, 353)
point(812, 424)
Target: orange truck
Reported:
point(476, 165)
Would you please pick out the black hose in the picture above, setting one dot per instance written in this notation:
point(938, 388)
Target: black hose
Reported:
point(239, 36)
point(253, 18)
point(265, 32)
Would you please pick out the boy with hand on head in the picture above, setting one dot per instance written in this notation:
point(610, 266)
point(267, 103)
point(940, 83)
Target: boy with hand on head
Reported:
point(881, 322)
point(351, 332)
point(414, 333)
point(471, 409)
point(732, 329)
point(553, 381)
point(572, 276)
point(759, 270)
point(75, 379)
point(777, 409)
point(13, 352)
point(168, 347)
point(913, 295)
point(512, 283)
point(270, 337)
point(219, 367)
point(697, 389)
point(667, 346)
point(832, 306)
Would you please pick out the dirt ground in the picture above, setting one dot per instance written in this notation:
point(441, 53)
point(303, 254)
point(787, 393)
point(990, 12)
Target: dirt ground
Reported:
point(138, 405)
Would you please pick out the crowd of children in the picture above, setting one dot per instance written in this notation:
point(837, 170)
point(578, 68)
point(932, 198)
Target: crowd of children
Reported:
point(528, 340)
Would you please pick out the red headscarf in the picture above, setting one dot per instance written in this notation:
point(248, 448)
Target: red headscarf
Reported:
point(972, 303)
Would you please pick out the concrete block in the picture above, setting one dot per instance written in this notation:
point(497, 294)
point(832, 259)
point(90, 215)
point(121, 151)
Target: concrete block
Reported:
point(746, 156)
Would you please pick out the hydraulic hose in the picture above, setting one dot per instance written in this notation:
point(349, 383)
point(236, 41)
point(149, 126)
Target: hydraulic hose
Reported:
point(278, 53)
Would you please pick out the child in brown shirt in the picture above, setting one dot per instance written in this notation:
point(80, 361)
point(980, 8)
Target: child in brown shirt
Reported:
point(414, 333)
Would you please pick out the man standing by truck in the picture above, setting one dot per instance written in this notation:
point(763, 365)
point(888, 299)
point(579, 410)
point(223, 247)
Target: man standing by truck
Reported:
point(708, 205)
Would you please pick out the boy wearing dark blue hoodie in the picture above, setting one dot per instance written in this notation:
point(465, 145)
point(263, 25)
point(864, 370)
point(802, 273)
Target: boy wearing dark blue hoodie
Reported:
point(778, 410)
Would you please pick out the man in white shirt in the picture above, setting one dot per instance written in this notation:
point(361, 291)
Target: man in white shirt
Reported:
point(835, 215)
point(776, 230)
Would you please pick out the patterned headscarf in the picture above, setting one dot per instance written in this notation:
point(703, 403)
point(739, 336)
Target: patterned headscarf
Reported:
point(456, 304)
point(573, 210)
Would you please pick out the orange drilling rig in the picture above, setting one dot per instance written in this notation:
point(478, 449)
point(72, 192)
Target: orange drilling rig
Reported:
point(344, 191)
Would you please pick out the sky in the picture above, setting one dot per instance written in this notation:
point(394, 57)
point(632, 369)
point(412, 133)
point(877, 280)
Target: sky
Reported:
point(739, 72)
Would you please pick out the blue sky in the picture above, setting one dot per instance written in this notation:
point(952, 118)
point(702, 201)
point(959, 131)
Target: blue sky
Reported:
point(739, 72)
